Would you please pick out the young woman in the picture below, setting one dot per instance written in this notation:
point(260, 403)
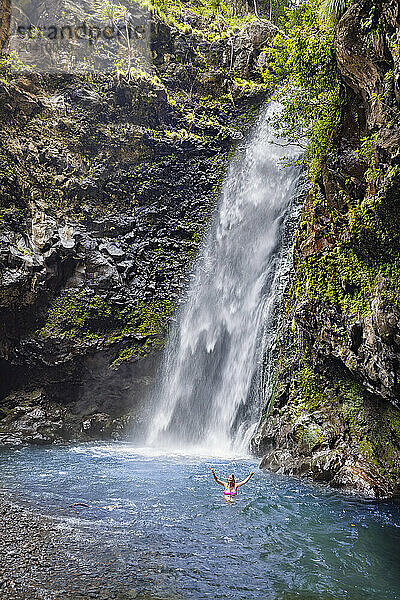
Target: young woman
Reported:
point(230, 485)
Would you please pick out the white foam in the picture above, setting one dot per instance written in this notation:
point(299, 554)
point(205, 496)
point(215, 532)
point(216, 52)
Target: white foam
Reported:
point(130, 451)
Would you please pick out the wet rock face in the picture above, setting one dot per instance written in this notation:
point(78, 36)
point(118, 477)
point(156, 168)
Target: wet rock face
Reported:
point(82, 398)
point(248, 44)
point(363, 53)
point(111, 262)
point(332, 468)
point(333, 414)
point(324, 425)
point(106, 187)
point(359, 324)
point(329, 448)
point(366, 345)
point(175, 55)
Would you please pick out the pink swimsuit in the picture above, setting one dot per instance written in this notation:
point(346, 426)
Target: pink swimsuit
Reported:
point(234, 493)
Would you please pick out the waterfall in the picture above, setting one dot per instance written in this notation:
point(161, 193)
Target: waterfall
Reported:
point(209, 393)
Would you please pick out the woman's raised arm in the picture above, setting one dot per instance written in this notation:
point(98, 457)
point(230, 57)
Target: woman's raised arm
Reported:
point(216, 478)
point(245, 480)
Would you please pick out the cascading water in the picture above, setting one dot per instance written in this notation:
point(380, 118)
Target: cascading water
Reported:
point(208, 394)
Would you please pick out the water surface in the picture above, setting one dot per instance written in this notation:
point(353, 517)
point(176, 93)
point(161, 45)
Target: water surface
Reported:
point(164, 524)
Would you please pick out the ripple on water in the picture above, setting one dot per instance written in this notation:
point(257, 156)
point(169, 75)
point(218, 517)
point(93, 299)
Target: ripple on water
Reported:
point(164, 521)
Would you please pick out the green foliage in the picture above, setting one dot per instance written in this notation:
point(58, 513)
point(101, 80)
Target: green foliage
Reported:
point(242, 87)
point(109, 10)
point(389, 79)
point(219, 18)
point(302, 72)
point(10, 64)
point(139, 74)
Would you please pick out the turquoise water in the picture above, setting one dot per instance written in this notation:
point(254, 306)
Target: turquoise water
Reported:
point(164, 521)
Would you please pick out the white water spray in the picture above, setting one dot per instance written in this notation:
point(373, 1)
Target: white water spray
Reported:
point(209, 394)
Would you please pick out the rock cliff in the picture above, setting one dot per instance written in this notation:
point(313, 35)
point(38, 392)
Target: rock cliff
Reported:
point(333, 414)
point(106, 187)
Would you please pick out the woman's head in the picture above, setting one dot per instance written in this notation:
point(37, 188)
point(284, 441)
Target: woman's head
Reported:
point(231, 480)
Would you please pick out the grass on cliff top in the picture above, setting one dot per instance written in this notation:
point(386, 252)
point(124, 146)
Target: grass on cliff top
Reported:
point(216, 19)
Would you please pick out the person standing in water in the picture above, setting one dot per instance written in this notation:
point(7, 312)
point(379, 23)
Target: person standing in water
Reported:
point(231, 485)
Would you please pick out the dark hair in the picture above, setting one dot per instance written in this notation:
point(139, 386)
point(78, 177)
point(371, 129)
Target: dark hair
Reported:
point(231, 476)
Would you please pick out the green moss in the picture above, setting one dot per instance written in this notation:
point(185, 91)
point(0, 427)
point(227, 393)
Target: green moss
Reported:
point(81, 316)
point(305, 389)
point(149, 318)
point(338, 277)
point(373, 427)
point(352, 401)
point(310, 436)
point(381, 442)
point(242, 87)
point(392, 422)
point(372, 222)
point(348, 280)
point(135, 352)
point(10, 64)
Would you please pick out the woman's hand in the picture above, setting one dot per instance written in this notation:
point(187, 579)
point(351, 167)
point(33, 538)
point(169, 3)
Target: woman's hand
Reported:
point(216, 478)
